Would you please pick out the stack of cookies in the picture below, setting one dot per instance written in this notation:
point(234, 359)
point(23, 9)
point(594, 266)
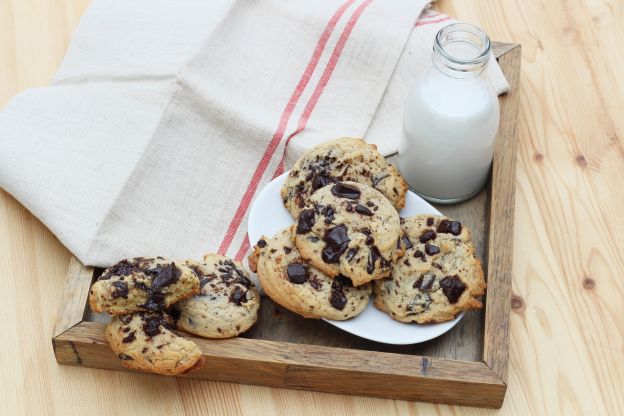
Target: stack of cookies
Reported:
point(149, 297)
point(349, 241)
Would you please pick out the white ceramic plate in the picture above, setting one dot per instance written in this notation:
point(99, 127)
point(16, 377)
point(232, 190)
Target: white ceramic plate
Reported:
point(268, 216)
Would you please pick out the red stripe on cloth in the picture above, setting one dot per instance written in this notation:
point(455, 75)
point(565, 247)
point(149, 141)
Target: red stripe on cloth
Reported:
point(243, 249)
point(331, 65)
point(318, 91)
point(429, 22)
point(281, 128)
point(329, 69)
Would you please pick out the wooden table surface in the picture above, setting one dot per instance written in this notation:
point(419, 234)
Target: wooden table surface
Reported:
point(567, 323)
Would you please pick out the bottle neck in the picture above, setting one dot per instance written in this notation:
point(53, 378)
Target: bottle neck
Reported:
point(461, 50)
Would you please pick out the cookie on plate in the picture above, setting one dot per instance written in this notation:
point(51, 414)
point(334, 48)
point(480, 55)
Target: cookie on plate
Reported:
point(438, 277)
point(351, 229)
point(227, 304)
point(142, 284)
point(345, 159)
point(146, 341)
point(299, 287)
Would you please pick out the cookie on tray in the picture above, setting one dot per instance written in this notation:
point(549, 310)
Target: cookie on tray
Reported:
point(227, 304)
point(351, 229)
point(146, 341)
point(289, 281)
point(438, 277)
point(345, 159)
point(142, 284)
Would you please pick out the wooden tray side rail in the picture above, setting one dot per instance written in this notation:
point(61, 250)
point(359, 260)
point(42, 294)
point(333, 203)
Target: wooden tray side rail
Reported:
point(78, 340)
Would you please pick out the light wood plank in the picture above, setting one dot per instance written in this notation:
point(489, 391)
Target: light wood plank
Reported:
point(75, 295)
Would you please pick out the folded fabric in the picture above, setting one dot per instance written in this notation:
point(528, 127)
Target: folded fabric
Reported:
point(165, 119)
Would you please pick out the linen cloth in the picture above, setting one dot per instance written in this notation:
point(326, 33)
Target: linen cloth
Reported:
point(165, 118)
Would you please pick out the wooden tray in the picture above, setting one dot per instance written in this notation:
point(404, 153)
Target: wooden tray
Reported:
point(466, 366)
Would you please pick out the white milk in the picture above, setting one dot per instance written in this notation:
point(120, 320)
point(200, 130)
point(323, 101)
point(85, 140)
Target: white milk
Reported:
point(450, 121)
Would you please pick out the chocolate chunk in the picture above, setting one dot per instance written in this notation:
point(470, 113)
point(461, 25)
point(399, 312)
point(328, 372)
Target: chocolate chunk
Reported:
point(338, 299)
point(287, 250)
point(131, 337)
point(372, 259)
point(262, 243)
point(120, 290)
point(320, 180)
point(155, 302)
point(452, 227)
point(419, 304)
point(453, 287)
point(379, 178)
point(230, 274)
point(238, 296)
point(306, 221)
point(361, 209)
point(349, 207)
point(125, 357)
point(164, 275)
point(328, 212)
point(370, 204)
point(125, 319)
point(345, 191)
point(341, 281)
point(369, 238)
point(242, 280)
point(406, 242)
point(419, 253)
point(196, 270)
point(429, 221)
point(152, 324)
point(315, 283)
point(314, 239)
point(204, 281)
point(425, 282)
point(123, 268)
point(297, 273)
point(351, 253)
point(431, 249)
point(427, 235)
point(336, 243)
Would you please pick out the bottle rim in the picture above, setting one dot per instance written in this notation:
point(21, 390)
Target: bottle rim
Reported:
point(466, 33)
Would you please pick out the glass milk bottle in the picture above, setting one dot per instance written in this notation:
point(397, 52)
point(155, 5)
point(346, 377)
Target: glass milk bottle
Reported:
point(451, 119)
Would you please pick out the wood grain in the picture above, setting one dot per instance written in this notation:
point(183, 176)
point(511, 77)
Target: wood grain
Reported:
point(499, 250)
point(299, 366)
point(75, 296)
point(567, 332)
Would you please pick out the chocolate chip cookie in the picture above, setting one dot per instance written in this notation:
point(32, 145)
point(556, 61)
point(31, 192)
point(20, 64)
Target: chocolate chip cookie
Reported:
point(438, 277)
point(351, 229)
point(146, 341)
point(345, 159)
point(301, 288)
point(142, 284)
point(227, 304)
